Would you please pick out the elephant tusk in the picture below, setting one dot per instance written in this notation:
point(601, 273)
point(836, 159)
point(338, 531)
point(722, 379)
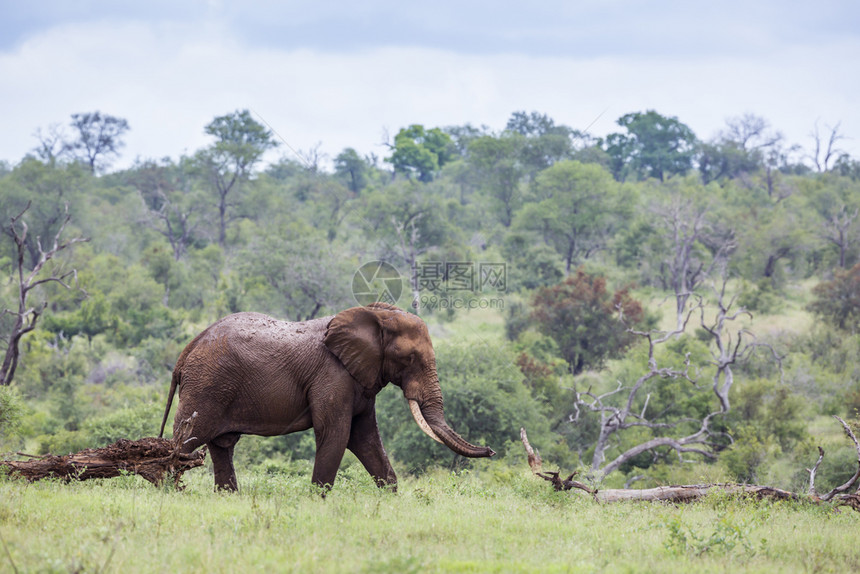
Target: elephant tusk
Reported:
point(419, 418)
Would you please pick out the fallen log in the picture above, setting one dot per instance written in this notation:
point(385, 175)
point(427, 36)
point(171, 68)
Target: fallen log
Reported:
point(692, 492)
point(152, 458)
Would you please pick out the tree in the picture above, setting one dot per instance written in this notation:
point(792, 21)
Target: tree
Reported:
point(544, 142)
point(240, 142)
point(351, 168)
point(291, 271)
point(419, 152)
point(169, 198)
point(53, 143)
point(654, 146)
point(45, 190)
point(580, 315)
point(580, 204)
point(404, 221)
point(838, 301)
point(691, 430)
point(693, 242)
point(500, 170)
point(824, 150)
point(739, 149)
point(836, 201)
point(99, 137)
point(746, 145)
point(24, 319)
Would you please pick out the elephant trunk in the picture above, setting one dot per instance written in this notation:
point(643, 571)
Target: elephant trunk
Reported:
point(431, 418)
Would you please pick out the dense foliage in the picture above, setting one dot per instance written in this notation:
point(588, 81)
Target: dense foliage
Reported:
point(538, 225)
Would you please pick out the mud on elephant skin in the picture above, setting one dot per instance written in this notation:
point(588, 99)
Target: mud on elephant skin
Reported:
point(251, 374)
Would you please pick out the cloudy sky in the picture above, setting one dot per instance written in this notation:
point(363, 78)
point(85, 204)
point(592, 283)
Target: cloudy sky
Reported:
point(344, 74)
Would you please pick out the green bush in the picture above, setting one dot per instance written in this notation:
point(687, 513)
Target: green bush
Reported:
point(11, 413)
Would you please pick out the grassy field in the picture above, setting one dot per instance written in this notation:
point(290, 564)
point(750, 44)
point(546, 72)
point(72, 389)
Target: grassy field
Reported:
point(474, 522)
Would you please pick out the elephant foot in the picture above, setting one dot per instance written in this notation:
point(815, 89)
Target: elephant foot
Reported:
point(222, 464)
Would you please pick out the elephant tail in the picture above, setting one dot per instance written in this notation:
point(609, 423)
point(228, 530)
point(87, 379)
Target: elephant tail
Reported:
point(174, 383)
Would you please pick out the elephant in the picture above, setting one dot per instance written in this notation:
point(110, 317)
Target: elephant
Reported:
point(249, 373)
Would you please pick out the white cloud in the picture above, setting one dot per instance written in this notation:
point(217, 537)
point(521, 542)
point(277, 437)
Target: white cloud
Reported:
point(170, 80)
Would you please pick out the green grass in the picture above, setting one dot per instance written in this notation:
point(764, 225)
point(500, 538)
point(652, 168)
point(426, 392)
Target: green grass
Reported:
point(438, 523)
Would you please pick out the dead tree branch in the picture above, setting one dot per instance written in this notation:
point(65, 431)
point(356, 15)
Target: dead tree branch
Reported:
point(25, 317)
point(847, 486)
point(623, 407)
point(693, 492)
point(152, 458)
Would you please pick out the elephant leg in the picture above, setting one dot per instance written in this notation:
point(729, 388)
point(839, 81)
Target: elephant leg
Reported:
point(221, 450)
point(331, 445)
point(366, 444)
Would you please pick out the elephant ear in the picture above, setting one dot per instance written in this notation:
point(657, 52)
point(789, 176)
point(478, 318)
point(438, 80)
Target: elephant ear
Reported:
point(355, 337)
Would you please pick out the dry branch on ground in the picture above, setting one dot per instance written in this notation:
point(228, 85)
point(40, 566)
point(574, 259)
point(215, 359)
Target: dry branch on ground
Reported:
point(150, 457)
point(689, 493)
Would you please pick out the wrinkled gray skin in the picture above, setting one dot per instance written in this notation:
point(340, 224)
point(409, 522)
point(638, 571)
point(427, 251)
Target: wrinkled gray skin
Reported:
point(251, 374)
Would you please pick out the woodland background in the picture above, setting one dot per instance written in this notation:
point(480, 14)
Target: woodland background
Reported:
point(673, 309)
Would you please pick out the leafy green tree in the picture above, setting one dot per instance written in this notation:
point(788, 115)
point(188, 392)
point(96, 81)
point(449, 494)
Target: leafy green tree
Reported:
point(544, 142)
point(836, 202)
point(580, 206)
point(497, 162)
point(581, 315)
point(654, 146)
point(292, 272)
point(403, 221)
point(530, 264)
point(240, 142)
point(352, 169)
point(838, 301)
point(776, 239)
point(174, 204)
point(124, 301)
point(325, 201)
point(767, 422)
point(726, 159)
point(420, 152)
point(98, 138)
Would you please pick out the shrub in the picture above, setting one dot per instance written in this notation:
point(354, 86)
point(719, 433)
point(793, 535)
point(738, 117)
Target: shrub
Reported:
point(838, 301)
point(581, 315)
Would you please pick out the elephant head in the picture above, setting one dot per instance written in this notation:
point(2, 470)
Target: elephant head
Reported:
point(379, 344)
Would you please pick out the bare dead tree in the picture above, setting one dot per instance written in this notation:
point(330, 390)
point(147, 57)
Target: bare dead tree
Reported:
point(838, 231)
point(687, 228)
point(53, 143)
point(25, 317)
point(824, 150)
point(750, 132)
point(313, 157)
point(728, 349)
